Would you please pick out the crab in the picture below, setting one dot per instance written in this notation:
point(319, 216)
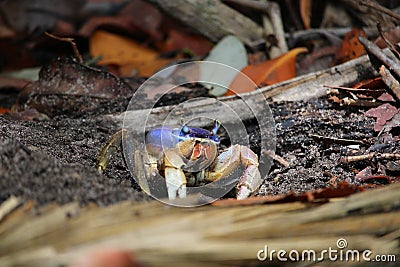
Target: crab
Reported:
point(188, 156)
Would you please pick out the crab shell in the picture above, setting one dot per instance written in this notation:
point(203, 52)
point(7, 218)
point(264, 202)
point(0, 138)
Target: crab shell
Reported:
point(196, 150)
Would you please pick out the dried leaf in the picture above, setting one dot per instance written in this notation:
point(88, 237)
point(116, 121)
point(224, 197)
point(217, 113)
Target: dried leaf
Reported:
point(180, 40)
point(372, 84)
point(367, 171)
point(391, 35)
point(138, 17)
point(70, 88)
point(229, 51)
point(125, 53)
point(4, 110)
point(383, 113)
point(385, 97)
point(342, 189)
point(351, 46)
point(269, 72)
point(38, 16)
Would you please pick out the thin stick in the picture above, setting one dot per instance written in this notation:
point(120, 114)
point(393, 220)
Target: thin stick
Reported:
point(369, 156)
point(278, 159)
point(380, 8)
point(354, 89)
point(337, 140)
point(390, 81)
point(387, 42)
point(68, 40)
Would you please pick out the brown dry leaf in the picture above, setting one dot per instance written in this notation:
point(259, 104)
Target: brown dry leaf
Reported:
point(391, 35)
point(385, 97)
point(351, 46)
point(383, 113)
point(269, 72)
point(305, 12)
point(126, 53)
point(138, 17)
point(68, 87)
point(38, 16)
point(375, 83)
point(178, 40)
point(335, 99)
point(4, 110)
point(342, 189)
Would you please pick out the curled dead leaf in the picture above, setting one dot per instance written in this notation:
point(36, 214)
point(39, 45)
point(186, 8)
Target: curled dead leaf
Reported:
point(269, 72)
point(68, 87)
point(383, 113)
point(124, 52)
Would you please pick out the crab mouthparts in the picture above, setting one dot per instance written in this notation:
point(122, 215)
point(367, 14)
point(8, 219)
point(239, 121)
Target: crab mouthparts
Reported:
point(201, 149)
point(201, 158)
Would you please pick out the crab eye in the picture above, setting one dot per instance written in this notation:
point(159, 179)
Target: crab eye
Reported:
point(185, 129)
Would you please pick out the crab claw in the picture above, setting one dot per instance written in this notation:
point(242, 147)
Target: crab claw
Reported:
point(231, 159)
point(249, 182)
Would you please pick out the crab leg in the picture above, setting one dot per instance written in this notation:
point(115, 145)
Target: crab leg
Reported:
point(174, 176)
point(231, 159)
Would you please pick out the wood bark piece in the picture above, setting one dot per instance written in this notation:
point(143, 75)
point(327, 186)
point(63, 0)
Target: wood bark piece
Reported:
point(213, 19)
point(8, 206)
point(160, 235)
point(300, 88)
point(272, 22)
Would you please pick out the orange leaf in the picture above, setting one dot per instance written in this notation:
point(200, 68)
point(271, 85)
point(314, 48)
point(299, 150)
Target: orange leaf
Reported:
point(125, 53)
point(351, 46)
point(269, 72)
point(4, 110)
point(375, 83)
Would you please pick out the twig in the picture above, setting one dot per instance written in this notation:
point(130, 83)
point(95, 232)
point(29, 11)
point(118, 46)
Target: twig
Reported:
point(357, 90)
point(278, 159)
point(375, 51)
point(332, 34)
point(380, 8)
point(390, 81)
point(387, 42)
point(337, 140)
point(68, 40)
point(369, 156)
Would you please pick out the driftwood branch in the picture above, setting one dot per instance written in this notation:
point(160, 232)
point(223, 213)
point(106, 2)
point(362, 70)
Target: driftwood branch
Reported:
point(213, 19)
point(159, 235)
